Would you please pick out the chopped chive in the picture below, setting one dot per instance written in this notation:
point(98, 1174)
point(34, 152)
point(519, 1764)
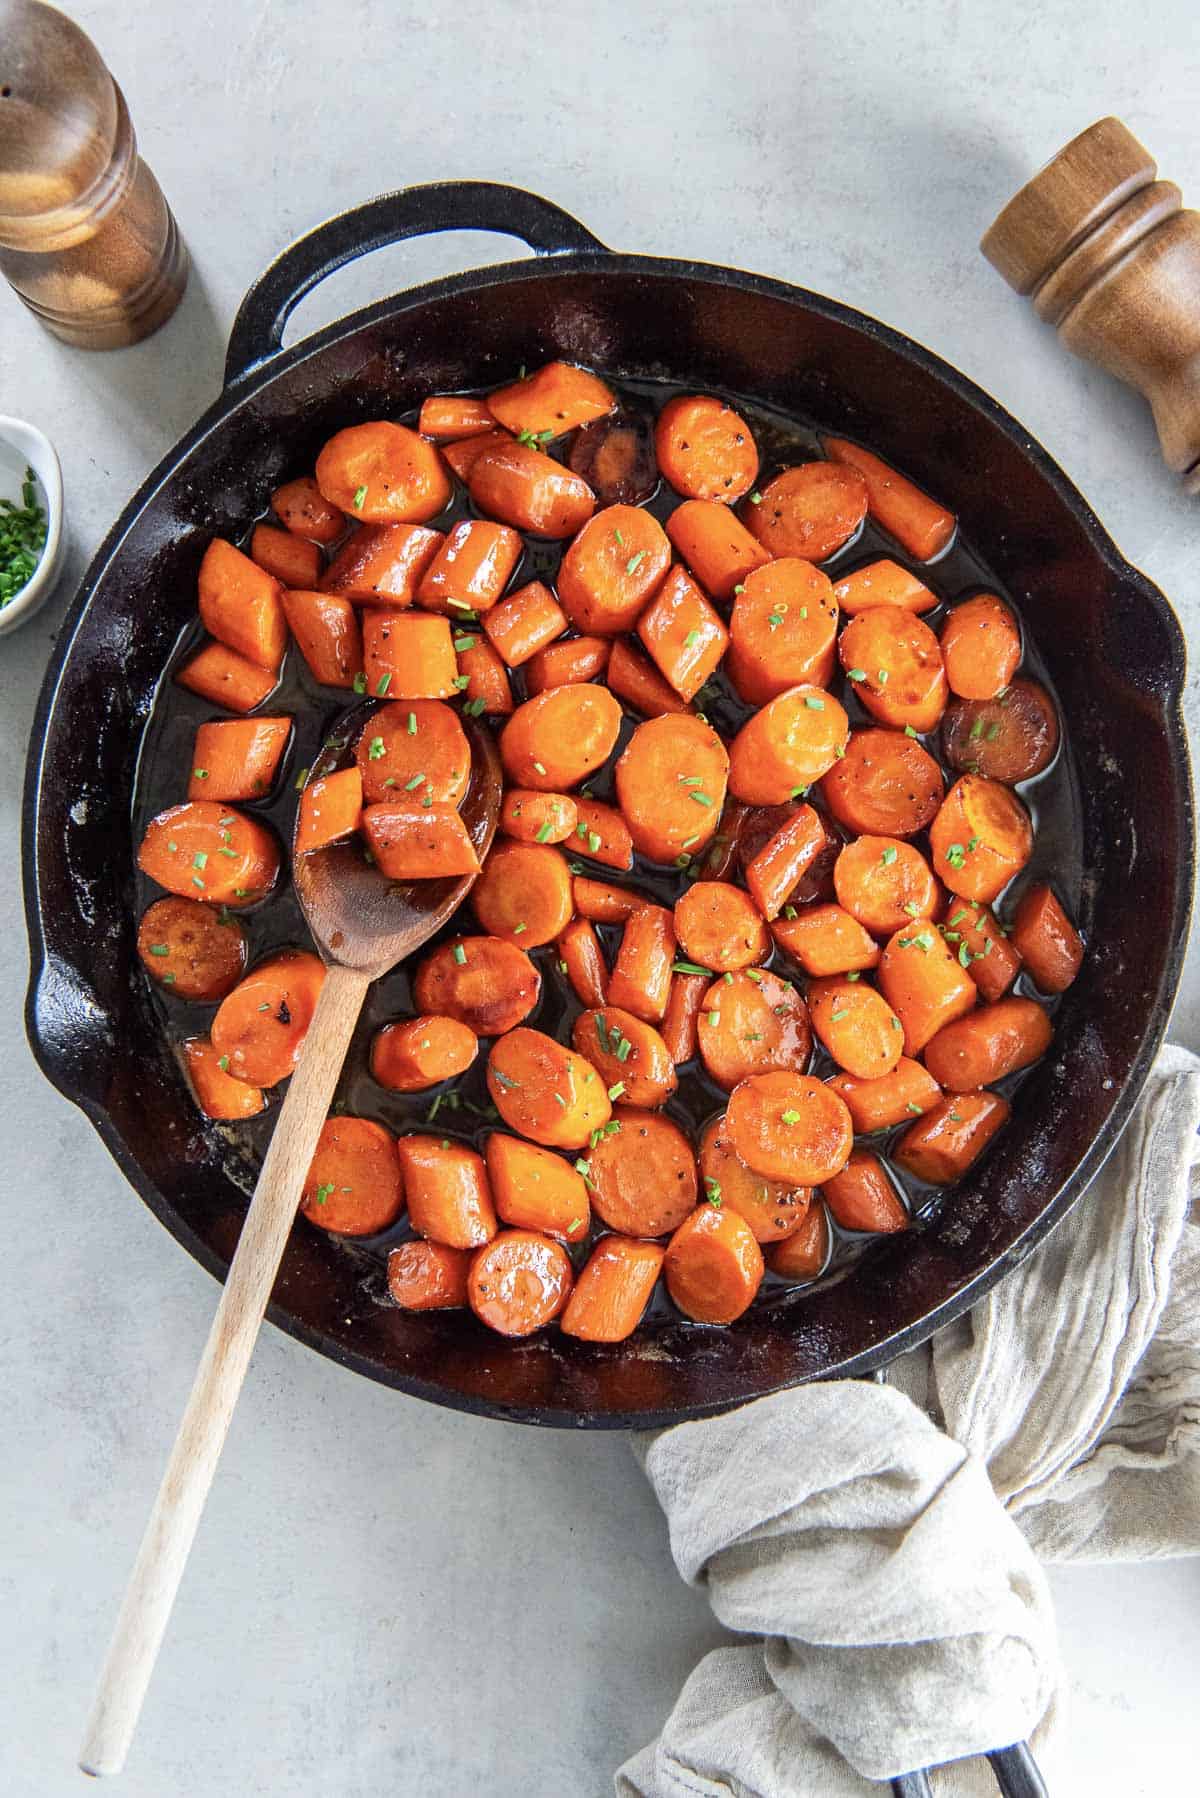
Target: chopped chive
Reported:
point(690, 842)
point(538, 768)
point(713, 1018)
point(973, 845)
point(200, 773)
point(461, 681)
point(635, 562)
point(912, 908)
point(462, 643)
point(593, 841)
point(853, 974)
point(956, 855)
point(543, 835)
point(976, 731)
point(958, 916)
point(460, 954)
point(624, 1049)
point(804, 611)
point(619, 538)
point(911, 1107)
point(692, 638)
point(200, 859)
point(300, 779)
point(754, 974)
point(231, 853)
point(799, 792)
point(168, 979)
point(881, 675)
point(360, 494)
point(700, 798)
point(560, 1100)
point(504, 1080)
point(910, 732)
point(835, 1017)
point(410, 786)
point(756, 499)
point(223, 1063)
point(376, 748)
point(814, 705)
point(614, 1092)
point(889, 855)
point(474, 708)
point(789, 1117)
point(562, 966)
point(789, 911)
point(712, 1191)
point(740, 588)
point(690, 967)
point(519, 928)
point(991, 733)
point(856, 674)
point(385, 681)
point(160, 949)
point(360, 683)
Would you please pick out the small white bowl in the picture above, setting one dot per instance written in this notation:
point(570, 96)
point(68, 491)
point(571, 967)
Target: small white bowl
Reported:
point(23, 446)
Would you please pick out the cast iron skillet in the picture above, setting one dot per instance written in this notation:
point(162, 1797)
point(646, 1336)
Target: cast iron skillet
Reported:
point(1109, 639)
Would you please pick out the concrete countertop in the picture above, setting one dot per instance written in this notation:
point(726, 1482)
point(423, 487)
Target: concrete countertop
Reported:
point(386, 1596)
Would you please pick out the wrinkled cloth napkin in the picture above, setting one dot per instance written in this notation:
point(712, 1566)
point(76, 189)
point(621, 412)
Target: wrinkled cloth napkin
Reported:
point(884, 1570)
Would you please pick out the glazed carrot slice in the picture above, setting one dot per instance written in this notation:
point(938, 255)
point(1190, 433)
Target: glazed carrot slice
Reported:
point(1046, 940)
point(640, 981)
point(522, 625)
point(612, 1292)
point(994, 1041)
point(535, 1189)
point(716, 546)
point(862, 1196)
point(482, 677)
point(330, 808)
point(895, 663)
point(408, 654)
point(918, 523)
point(756, 826)
point(448, 1192)
point(643, 1175)
point(753, 1023)
point(471, 568)
point(611, 570)
point(713, 1266)
point(803, 1254)
point(981, 647)
point(684, 635)
point(629, 1055)
point(216, 1092)
point(217, 674)
point(880, 1104)
point(260, 1026)
point(574, 660)
point(427, 1276)
point(783, 630)
point(705, 449)
point(446, 417)
point(545, 1091)
point(290, 560)
point(883, 583)
point(772, 1208)
point(787, 745)
point(552, 400)
point(885, 884)
point(556, 740)
point(602, 834)
point(605, 904)
point(417, 747)
point(383, 565)
point(414, 842)
point(680, 1020)
point(885, 785)
point(671, 786)
point(615, 455)
point(240, 605)
point(196, 952)
point(981, 947)
point(923, 981)
point(825, 939)
point(353, 1187)
point(485, 983)
point(812, 510)
point(523, 895)
point(581, 958)
point(980, 838)
point(950, 1138)
point(417, 1053)
point(207, 851)
point(519, 1283)
point(463, 454)
point(775, 872)
point(790, 1127)
point(522, 487)
point(857, 1026)
point(533, 817)
point(302, 509)
point(326, 628)
point(717, 925)
point(238, 759)
point(381, 473)
point(1010, 738)
point(635, 680)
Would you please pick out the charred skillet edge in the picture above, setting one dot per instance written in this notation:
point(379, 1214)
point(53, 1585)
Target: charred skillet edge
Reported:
point(1168, 702)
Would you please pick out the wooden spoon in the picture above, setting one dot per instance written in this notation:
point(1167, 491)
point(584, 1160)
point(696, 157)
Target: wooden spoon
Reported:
point(363, 925)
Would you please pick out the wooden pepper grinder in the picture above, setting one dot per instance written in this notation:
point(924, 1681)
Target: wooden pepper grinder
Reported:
point(86, 237)
point(1113, 260)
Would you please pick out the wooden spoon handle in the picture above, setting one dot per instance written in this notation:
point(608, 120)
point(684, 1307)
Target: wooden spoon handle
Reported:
point(176, 1514)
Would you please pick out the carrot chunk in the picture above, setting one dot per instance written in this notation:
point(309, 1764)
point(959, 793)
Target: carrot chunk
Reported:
point(612, 1292)
point(643, 1174)
point(471, 568)
point(611, 570)
point(880, 1103)
point(240, 605)
point(408, 654)
point(895, 663)
point(918, 523)
point(789, 1127)
point(353, 1186)
point(326, 628)
point(446, 417)
point(635, 680)
point(383, 473)
point(427, 1276)
point(862, 1196)
point(683, 633)
point(883, 583)
point(950, 1138)
point(810, 511)
point(772, 1208)
point(981, 647)
point(449, 1196)
point(330, 808)
point(705, 449)
point(753, 1023)
point(857, 1026)
point(292, 561)
point(671, 786)
point(417, 1053)
point(216, 1092)
point(994, 1041)
point(551, 401)
point(718, 926)
point(629, 1055)
point(640, 981)
point(203, 850)
point(302, 509)
point(783, 630)
point(925, 983)
point(519, 1282)
point(535, 1189)
point(196, 952)
point(716, 546)
point(980, 838)
point(783, 748)
point(216, 673)
point(260, 1026)
point(553, 742)
point(1046, 940)
point(567, 663)
point(238, 759)
point(383, 565)
point(486, 983)
point(582, 957)
point(713, 1266)
point(413, 842)
point(524, 893)
point(824, 939)
point(545, 1090)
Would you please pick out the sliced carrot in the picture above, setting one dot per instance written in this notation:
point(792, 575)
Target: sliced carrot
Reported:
point(790, 1127)
point(857, 1026)
point(302, 509)
point(238, 759)
point(326, 628)
point(427, 1276)
point(522, 487)
point(948, 1140)
point(981, 946)
point(382, 473)
point(449, 1196)
point(705, 449)
point(523, 895)
point(217, 674)
point(611, 570)
point(992, 1042)
point(713, 1266)
point(207, 851)
point(895, 663)
point(404, 653)
point(417, 1053)
point(812, 510)
point(772, 1208)
point(293, 561)
point(196, 952)
point(567, 663)
point(883, 583)
point(414, 747)
point(471, 568)
point(260, 1026)
point(753, 1023)
point(551, 401)
point(862, 1196)
point(519, 1283)
point(825, 939)
point(684, 635)
point(629, 1055)
point(671, 786)
point(775, 872)
point(880, 1104)
point(924, 983)
point(414, 842)
point(485, 677)
point(485, 983)
point(679, 1022)
point(446, 417)
point(754, 828)
point(612, 1292)
point(885, 884)
point(918, 523)
point(980, 838)
point(216, 1092)
point(535, 1189)
point(545, 1091)
point(783, 630)
point(615, 455)
point(718, 926)
point(635, 680)
point(885, 785)
point(1009, 738)
point(463, 454)
point(640, 981)
point(981, 647)
point(556, 740)
point(330, 809)
point(605, 904)
point(383, 564)
point(602, 834)
point(353, 1187)
point(240, 605)
point(533, 817)
point(522, 625)
point(783, 748)
point(642, 1175)
point(1046, 940)
point(716, 546)
point(802, 1256)
point(581, 958)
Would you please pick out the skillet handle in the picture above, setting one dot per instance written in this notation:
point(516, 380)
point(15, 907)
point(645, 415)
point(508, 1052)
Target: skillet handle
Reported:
point(409, 212)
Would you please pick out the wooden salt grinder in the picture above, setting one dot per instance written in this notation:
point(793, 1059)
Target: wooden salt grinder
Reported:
point(1112, 259)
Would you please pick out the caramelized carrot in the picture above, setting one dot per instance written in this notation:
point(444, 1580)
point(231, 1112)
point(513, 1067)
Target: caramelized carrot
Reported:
point(718, 926)
point(485, 675)
point(260, 1026)
point(330, 808)
point(302, 509)
point(981, 647)
point(682, 1015)
point(643, 1174)
point(704, 449)
point(981, 947)
point(203, 850)
point(519, 1282)
point(524, 893)
point(783, 630)
point(216, 1092)
point(240, 605)
point(918, 523)
point(774, 873)
point(528, 490)
point(980, 838)
point(485, 983)
point(825, 939)
point(551, 401)
point(326, 628)
point(545, 1091)
point(684, 635)
point(783, 748)
point(427, 1276)
point(802, 1256)
point(602, 834)
point(471, 568)
point(411, 1056)
point(463, 454)
point(885, 785)
point(994, 1041)
point(924, 983)
point(525, 623)
point(556, 740)
point(862, 1197)
point(409, 655)
point(533, 817)
point(942, 1145)
point(568, 663)
point(1046, 940)
point(883, 583)
point(612, 1292)
point(671, 786)
point(290, 560)
point(857, 1026)
point(383, 564)
point(1009, 738)
point(414, 747)
point(611, 570)
point(789, 1127)
point(889, 1099)
point(446, 1185)
point(713, 1266)
point(885, 884)
point(382, 473)
point(414, 842)
point(605, 904)
point(217, 674)
point(716, 546)
point(772, 1208)
point(238, 759)
point(635, 680)
point(534, 1189)
point(582, 960)
point(753, 1023)
point(353, 1187)
point(641, 977)
point(812, 510)
point(196, 952)
point(629, 1055)
point(446, 417)
point(895, 663)
point(754, 826)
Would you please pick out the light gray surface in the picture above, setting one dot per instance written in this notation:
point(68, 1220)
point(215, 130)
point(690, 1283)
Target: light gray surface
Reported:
point(385, 1596)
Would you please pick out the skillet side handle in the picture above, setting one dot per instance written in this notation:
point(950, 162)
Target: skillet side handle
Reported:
point(409, 212)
